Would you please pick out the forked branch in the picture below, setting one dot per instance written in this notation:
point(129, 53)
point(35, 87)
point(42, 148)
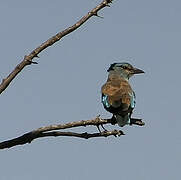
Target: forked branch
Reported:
point(52, 130)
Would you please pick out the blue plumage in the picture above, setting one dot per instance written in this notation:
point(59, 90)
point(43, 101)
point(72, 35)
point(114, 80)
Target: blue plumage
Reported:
point(105, 101)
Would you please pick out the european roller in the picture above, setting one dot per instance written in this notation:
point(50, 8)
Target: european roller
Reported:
point(118, 97)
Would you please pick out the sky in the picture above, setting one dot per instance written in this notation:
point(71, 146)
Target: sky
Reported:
point(65, 87)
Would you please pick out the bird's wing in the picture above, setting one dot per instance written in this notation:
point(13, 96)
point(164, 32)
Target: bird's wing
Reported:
point(119, 93)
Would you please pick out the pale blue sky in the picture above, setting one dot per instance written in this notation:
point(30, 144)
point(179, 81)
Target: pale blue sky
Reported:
point(65, 86)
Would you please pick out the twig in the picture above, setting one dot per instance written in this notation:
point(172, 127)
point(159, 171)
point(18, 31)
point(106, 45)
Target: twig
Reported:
point(50, 131)
point(29, 137)
point(28, 59)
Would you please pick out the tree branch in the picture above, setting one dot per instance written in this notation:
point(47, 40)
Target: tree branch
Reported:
point(50, 131)
point(28, 58)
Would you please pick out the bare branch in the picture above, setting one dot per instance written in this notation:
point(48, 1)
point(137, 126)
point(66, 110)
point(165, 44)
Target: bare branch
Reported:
point(28, 59)
point(84, 135)
point(49, 131)
point(29, 137)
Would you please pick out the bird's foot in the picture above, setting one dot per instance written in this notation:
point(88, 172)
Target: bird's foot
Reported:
point(102, 128)
point(98, 128)
point(113, 120)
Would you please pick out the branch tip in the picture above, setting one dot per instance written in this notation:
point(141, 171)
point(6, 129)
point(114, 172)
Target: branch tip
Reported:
point(136, 121)
point(108, 5)
point(107, 2)
point(34, 62)
point(96, 14)
point(121, 133)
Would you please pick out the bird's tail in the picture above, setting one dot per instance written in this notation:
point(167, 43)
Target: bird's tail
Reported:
point(122, 120)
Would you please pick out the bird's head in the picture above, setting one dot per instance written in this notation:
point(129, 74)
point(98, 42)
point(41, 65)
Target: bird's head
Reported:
point(124, 69)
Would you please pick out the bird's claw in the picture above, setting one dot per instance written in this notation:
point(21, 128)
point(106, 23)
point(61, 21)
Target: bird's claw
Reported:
point(102, 128)
point(113, 120)
point(98, 129)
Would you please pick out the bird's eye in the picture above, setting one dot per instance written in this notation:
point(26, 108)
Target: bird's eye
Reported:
point(124, 67)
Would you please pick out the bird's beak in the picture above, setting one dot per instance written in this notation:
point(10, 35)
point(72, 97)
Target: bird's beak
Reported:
point(137, 71)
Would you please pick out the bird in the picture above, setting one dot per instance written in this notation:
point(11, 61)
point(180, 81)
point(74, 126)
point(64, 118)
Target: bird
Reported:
point(118, 96)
